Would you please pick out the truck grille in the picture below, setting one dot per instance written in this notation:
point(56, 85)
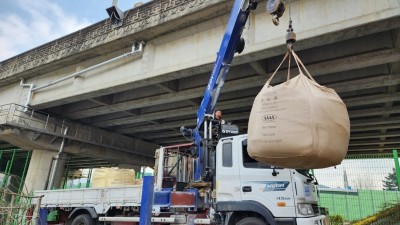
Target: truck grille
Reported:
point(315, 209)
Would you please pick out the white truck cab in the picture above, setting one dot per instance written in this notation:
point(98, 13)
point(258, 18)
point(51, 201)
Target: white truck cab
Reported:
point(247, 187)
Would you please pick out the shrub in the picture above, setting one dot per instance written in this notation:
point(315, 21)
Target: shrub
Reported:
point(390, 212)
point(336, 219)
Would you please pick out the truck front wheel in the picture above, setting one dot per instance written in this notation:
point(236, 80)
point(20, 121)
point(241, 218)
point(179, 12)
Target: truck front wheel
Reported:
point(83, 219)
point(251, 221)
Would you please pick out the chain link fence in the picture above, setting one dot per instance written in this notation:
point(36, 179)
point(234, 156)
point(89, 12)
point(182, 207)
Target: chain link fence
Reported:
point(362, 186)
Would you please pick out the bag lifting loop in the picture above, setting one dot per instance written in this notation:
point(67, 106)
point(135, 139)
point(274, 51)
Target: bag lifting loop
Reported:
point(299, 64)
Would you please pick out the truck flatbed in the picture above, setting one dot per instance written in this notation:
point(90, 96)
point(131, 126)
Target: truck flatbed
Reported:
point(101, 199)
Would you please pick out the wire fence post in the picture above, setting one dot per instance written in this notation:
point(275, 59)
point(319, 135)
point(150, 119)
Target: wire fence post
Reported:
point(5, 178)
point(66, 173)
point(1, 155)
point(396, 164)
point(89, 175)
point(24, 173)
point(10, 211)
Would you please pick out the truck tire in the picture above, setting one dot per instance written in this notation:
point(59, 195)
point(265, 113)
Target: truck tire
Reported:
point(83, 219)
point(251, 221)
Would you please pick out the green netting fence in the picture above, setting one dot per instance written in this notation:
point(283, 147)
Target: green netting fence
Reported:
point(18, 206)
point(359, 187)
point(18, 209)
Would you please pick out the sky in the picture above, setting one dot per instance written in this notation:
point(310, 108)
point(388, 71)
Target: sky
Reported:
point(26, 24)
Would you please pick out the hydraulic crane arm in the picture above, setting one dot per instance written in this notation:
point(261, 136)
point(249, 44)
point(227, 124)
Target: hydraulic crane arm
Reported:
point(232, 42)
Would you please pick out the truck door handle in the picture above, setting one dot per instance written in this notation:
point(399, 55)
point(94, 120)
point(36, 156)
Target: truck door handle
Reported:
point(246, 188)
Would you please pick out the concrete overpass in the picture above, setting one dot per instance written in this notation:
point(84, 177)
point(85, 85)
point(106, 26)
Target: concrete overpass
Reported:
point(120, 101)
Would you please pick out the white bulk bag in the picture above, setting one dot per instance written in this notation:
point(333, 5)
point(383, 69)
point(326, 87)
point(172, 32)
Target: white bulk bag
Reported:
point(298, 124)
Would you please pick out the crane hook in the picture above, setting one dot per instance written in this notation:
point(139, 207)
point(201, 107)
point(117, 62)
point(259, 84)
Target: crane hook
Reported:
point(276, 8)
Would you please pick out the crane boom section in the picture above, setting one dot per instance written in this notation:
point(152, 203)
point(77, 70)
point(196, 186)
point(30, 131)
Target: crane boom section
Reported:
point(240, 13)
point(229, 46)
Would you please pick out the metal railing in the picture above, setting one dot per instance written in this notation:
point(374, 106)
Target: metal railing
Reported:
point(24, 117)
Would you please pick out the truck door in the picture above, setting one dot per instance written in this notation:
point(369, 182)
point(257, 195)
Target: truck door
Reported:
point(227, 179)
point(264, 184)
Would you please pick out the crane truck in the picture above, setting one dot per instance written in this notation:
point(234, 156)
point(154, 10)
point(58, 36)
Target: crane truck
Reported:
point(212, 180)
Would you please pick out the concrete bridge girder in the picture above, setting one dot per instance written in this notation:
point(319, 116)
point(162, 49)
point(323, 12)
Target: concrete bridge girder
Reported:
point(170, 56)
point(256, 81)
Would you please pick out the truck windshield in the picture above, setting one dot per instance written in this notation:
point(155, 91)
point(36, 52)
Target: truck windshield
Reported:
point(249, 162)
point(305, 172)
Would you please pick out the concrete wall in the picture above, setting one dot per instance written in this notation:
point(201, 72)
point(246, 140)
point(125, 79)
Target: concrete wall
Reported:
point(13, 93)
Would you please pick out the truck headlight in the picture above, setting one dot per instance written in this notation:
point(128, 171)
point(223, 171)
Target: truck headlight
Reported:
point(305, 209)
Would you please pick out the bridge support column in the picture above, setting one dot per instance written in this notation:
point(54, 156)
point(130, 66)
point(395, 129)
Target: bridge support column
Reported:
point(38, 170)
